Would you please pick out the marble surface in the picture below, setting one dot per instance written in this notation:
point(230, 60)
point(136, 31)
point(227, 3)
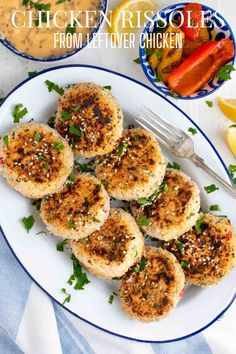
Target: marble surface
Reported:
point(14, 69)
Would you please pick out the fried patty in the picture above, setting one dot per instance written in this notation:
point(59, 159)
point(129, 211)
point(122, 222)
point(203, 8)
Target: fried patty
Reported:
point(78, 210)
point(153, 292)
point(36, 160)
point(135, 168)
point(171, 210)
point(207, 251)
point(112, 250)
point(90, 119)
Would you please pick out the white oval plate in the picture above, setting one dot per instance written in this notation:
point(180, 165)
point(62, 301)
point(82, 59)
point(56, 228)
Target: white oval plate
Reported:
point(50, 269)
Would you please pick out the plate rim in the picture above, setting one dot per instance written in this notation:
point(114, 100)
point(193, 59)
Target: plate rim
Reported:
point(203, 134)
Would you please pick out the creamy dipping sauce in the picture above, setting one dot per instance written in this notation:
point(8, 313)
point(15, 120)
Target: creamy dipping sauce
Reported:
point(39, 42)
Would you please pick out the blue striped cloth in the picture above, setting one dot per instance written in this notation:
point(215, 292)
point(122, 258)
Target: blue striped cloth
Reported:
point(15, 289)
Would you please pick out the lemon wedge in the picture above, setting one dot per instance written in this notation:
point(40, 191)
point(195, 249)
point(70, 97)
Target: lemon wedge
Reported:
point(120, 23)
point(228, 107)
point(231, 138)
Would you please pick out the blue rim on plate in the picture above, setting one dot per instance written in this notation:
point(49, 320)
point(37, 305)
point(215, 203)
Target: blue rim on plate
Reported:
point(8, 45)
point(203, 134)
point(225, 32)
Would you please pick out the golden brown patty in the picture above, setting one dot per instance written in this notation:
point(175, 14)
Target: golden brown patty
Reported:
point(78, 210)
point(172, 210)
point(207, 252)
point(150, 294)
point(112, 250)
point(90, 119)
point(135, 168)
point(36, 160)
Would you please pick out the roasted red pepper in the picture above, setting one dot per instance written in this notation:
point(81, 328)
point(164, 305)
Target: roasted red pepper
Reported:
point(200, 66)
point(192, 21)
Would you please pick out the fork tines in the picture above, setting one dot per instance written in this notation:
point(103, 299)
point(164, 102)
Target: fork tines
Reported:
point(167, 133)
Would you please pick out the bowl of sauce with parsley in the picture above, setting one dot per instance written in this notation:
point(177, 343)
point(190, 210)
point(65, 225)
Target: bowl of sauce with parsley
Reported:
point(49, 30)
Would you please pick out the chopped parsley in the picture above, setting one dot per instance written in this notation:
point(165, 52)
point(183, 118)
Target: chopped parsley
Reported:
point(131, 126)
point(111, 298)
point(107, 87)
point(137, 61)
point(150, 200)
point(84, 167)
point(85, 240)
point(5, 140)
point(78, 277)
point(46, 166)
point(209, 103)
point(51, 122)
point(71, 178)
point(71, 224)
point(36, 203)
point(32, 73)
point(37, 5)
point(65, 116)
point(174, 165)
point(215, 207)
point(179, 245)
point(54, 87)
point(60, 246)
point(71, 29)
point(144, 221)
point(37, 137)
point(19, 112)
point(77, 108)
point(232, 172)
point(76, 131)
point(158, 53)
point(68, 296)
point(173, 94)
point(193, 131)
point(198, 225)
point(184, 265)
point(164, 187)
point(136, 137)
point(28, 222)
point(58, 145)
point(143, 201)
point(224, 72)
point(158, 77)
point(210, 189)
point(122, 146)
point(140, 266)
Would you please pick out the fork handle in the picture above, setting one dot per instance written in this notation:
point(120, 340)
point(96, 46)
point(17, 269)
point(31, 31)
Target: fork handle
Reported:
point(199, 162)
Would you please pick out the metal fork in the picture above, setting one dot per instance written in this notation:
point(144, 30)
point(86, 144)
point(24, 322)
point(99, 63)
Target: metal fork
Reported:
point(177, 141)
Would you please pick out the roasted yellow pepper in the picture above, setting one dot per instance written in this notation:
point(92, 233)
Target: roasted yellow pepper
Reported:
point(191, 46)
point(171, 52)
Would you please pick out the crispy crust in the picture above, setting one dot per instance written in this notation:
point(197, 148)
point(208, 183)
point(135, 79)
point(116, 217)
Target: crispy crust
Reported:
point(135, 168)
point(99, 117)
point(78, 210)
point(112, 250)
point(35, 168)
point(210, 254)
point(154, 292)
point(173, 212)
